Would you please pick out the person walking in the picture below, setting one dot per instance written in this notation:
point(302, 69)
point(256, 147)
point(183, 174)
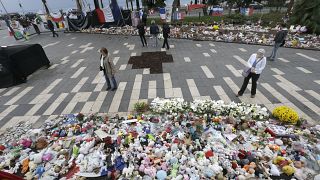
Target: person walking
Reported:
point(279, 41)
point(51, 28)
point(107, 66)
point(166, 32)
point(154, 31)
point(256, 64)
point(141, 30)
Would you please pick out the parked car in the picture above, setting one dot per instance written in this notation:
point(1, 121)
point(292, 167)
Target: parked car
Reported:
point(256, 5)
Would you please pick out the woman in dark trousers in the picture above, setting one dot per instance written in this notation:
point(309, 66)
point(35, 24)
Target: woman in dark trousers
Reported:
point(166, 32)
point(256, 63)
point(142, 32)
point(106, 65)
point(51, 28)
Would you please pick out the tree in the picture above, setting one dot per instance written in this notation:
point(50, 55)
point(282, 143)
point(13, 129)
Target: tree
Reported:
point(290, 6)
point(127, 3)
point(307, 13)
point(131, 3)
point(137, 4)
point(231, 3)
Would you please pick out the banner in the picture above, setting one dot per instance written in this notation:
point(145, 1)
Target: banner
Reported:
point(246, 11)
point(217, 11)
point(162, 12)
point(178, 15)
point(56, 17)
point(108, 14)
point(115, 10)
point(168, 10)
point(195, 6)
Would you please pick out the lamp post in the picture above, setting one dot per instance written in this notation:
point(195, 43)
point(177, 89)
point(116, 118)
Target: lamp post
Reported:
point(8, 22)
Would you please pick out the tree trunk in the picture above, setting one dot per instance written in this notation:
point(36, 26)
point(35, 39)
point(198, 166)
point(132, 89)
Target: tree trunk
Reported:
point(79, 5)
point(127, 3)
point(96, 4)
point(46, 7)
point(131, 5)
point(137, 4)
point(290, 5)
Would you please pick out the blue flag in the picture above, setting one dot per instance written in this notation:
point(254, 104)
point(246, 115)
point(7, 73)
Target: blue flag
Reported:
point(116, 12)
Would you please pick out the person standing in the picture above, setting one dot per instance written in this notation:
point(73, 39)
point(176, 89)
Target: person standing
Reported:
point(51, 28)
point(107, 66)
point(256, 63)
point(166, 32)
point(141, 30)
point(279, 41)
point(154, 31)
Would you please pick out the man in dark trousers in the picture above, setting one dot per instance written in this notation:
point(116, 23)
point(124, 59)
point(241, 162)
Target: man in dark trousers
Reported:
point(166, 32)
point(142, 31)
point(51, 28)
point(279, 41)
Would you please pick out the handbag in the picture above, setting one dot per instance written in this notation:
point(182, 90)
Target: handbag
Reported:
point(246, 71)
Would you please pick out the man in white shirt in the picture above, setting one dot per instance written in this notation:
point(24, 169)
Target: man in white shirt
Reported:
point(256, 64)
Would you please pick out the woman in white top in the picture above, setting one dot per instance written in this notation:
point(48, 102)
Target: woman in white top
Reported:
point(256, 63)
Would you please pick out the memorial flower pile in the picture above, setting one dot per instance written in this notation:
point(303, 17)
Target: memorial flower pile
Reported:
point(228, 33)
point(172, 143)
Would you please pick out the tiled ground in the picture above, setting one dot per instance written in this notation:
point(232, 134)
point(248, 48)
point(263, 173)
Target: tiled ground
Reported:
point(201, 69)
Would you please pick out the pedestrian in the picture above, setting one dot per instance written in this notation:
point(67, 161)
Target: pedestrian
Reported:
point(107, 66)
point(166, 32)
point(256, 64)
point(154, 31)
point(141, 30)
point(279, 41)
point(51, 28)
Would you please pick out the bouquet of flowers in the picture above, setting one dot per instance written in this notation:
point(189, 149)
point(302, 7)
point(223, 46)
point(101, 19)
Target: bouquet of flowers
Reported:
point(174, 105)
point(286, 114)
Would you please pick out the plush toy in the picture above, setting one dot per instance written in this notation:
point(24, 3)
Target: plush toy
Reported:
point(25, 165)
point(274, 170)
point(41, 143)
point(161, 175)
point(288, 170)
point(26, 143)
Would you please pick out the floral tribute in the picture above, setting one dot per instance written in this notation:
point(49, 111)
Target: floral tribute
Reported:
point(178, 140)
point(286, 114)
point(217, 108)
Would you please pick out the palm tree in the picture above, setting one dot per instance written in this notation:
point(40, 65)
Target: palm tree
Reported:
point(306, 12)
point(127, 3)
point(290, 6)
point(131, 4)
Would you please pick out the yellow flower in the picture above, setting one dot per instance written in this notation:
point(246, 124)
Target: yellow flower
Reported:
point(286, 114)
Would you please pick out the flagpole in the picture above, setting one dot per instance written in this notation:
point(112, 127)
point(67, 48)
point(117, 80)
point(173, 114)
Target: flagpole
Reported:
point(7, 21)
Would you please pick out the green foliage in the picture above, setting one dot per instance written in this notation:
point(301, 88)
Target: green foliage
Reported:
point(270, 19)
point(307, 13)
point(141, 107)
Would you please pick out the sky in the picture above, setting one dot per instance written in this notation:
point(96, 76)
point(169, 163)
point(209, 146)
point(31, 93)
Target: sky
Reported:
point(54, 5)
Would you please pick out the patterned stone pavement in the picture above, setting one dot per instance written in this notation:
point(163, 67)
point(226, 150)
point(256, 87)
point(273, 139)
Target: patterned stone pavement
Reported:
point(201, 69)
